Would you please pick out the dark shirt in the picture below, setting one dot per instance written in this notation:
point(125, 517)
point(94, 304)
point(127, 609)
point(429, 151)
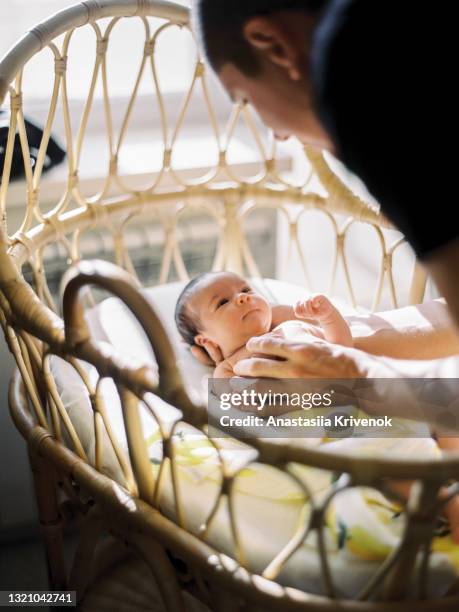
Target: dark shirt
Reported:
point(383, 79)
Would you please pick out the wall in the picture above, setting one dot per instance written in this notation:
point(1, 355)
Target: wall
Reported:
point(17, 506)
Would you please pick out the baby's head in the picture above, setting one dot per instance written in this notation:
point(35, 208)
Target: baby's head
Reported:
point(220, 309)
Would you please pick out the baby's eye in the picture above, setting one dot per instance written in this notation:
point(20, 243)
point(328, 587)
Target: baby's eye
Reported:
point(222, 302)
point(246, 290)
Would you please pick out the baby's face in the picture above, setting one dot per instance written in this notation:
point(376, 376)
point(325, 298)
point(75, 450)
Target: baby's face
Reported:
point(230, 312)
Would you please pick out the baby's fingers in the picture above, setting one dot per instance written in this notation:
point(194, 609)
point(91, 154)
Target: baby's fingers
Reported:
point(302, 309)
point(298, 310)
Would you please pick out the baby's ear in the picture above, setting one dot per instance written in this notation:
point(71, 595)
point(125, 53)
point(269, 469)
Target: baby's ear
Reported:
point(211, 347)
point(200, 340)
point(205, 342)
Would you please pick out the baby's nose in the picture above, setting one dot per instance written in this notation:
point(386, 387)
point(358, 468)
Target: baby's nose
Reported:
point(242, 298)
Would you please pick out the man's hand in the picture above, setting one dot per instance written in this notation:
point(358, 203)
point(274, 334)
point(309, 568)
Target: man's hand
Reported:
point(305, 357)
point(308, 357)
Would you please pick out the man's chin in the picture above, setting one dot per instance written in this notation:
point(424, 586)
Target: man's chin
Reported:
point(317, 143)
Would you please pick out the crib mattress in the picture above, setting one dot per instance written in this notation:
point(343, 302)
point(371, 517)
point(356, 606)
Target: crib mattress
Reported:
point(363, 527)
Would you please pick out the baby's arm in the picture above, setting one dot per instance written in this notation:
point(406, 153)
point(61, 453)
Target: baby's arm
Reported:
point(334, 326)
point(283, 313)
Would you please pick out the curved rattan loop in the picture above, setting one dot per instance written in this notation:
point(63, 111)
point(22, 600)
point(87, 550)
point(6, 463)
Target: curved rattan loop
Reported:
point(74, 17)
point(77, 336)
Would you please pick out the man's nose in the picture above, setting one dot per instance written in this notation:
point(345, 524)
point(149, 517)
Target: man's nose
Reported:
point(242, 299)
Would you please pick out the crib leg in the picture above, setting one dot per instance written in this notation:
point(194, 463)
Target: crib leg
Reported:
point(84, 556)
point(155, 556)
point(51, 525)
point(225, 601)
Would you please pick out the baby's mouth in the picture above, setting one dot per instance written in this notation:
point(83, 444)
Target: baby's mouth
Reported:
point(250, 312)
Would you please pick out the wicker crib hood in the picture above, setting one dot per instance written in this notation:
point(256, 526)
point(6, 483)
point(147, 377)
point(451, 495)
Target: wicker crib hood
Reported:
point(37, 328)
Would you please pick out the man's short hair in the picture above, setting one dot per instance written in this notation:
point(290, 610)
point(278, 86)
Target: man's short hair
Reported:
point(219, 24)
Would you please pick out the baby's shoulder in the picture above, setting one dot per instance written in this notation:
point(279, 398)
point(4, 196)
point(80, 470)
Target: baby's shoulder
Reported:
point(241, 353)
point(223, 370)
point(225, 367)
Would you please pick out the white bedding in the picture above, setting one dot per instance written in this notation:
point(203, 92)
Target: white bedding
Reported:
point(363, 526)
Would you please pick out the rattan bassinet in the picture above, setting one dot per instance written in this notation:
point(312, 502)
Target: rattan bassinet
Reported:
point(131, 554)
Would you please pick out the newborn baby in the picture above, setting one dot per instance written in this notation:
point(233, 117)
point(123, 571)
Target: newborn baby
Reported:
point(221, 311)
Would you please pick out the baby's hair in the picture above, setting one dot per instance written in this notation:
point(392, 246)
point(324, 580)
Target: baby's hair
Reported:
point(187, 323)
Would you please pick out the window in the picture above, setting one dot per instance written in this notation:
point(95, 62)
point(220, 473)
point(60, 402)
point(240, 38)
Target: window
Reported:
point(175, 48)
point(175, 57)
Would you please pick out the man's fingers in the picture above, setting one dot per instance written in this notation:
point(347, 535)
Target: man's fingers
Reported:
point(258, 367)
point(266, 368)
point(268, 345)
point(239, 383)
point(279, 346)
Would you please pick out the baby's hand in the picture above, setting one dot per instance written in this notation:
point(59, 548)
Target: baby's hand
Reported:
point(317, 307)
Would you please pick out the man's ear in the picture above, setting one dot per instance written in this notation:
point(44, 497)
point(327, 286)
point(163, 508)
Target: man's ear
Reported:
point(272, 39)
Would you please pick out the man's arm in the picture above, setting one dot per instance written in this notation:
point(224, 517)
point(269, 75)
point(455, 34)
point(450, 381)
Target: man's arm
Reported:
point(443, 266)
point(314, 359)
point(420, 331)
point(310, 357)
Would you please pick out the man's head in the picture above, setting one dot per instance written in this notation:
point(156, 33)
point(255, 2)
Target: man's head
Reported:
point(260, 50)
point(221, 310)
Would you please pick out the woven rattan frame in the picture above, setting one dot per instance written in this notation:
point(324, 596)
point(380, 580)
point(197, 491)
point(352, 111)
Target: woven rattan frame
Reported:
point(34, 330)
